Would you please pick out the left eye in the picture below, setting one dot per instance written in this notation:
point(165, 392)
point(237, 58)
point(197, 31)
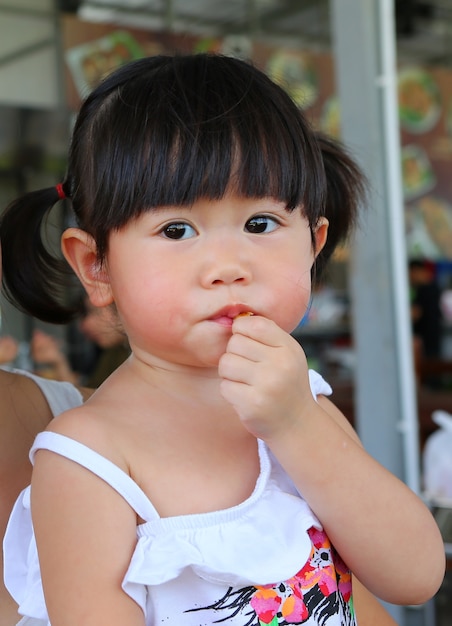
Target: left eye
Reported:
point(261, 224)
point(178, 230)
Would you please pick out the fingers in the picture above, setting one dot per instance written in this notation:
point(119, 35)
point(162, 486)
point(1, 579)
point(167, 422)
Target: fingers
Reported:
point(263, 375)
point(251, 346)
point(262, 355)
point(257, 347)
point(258, 328)
point(236, 368)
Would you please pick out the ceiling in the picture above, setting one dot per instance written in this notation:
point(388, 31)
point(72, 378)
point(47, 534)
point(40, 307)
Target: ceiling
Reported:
point(424, 28)
point(277, 18)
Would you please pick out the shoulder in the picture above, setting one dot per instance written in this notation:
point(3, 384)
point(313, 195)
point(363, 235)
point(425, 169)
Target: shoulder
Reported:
point(60, 395)
point(24, 411)
point(91, 427)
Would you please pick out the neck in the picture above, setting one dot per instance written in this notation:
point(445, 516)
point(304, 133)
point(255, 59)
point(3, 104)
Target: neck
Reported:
point(200, 385)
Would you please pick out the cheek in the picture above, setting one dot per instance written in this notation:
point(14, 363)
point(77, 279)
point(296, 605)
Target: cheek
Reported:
point(147, 306)
point(292, 297)
point(148, 288)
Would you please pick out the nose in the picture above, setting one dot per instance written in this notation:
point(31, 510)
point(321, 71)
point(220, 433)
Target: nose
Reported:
point(225, 265)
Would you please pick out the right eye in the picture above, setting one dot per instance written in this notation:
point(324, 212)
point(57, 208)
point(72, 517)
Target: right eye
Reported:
point(178, 230)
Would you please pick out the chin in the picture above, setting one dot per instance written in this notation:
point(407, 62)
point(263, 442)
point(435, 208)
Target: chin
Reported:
point(212, 362)
point(210, 358)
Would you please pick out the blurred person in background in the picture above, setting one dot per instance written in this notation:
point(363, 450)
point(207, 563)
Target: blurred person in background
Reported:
point(425, 307)
point(426, 316)
point(99, 326)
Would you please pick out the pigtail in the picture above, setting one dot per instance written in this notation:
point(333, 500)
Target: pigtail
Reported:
point(35, 280)
point(346, 191)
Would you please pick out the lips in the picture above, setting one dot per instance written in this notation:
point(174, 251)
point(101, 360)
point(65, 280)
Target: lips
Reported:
point(226, 315)
point(232, 311)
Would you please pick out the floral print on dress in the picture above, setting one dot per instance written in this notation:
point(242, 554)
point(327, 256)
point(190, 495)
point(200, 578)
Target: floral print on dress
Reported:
point(319, 594)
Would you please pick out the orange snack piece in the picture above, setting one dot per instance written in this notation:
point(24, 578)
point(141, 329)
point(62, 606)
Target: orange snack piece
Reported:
point(244, 314)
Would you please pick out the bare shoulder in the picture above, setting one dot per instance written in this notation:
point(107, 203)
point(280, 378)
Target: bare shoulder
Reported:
point(93, 425)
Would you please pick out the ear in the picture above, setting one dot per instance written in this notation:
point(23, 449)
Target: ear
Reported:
point(80, 251)
point(320, 234)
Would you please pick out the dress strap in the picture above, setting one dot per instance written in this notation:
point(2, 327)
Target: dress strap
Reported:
point(101, 467)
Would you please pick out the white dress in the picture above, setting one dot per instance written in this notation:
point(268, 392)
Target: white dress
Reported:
point(266, 561)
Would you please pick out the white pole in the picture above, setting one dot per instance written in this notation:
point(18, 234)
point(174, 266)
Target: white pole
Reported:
point(387, 82)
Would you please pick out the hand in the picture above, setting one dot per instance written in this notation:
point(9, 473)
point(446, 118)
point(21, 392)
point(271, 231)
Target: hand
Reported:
point(8, 349)
point(45, 349)
point(265, 376)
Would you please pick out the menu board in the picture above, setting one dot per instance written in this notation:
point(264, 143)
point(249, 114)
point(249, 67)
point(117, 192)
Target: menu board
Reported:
point(425, 113)
point(89, 62)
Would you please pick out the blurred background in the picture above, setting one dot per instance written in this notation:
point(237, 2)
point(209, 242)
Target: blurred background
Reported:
point(376, 74)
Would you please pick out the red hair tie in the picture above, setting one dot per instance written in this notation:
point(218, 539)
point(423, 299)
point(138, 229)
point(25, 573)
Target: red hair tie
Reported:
point(60, 191)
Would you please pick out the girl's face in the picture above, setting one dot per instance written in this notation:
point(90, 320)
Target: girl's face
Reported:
point(179, 276)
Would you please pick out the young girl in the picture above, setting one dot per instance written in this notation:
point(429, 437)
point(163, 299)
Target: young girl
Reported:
point(209, 479)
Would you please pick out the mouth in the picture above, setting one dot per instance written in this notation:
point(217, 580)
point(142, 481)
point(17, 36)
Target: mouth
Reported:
point(227, 315)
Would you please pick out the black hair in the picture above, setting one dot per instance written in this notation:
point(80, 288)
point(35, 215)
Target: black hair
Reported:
point(346, 192)
point(168, 130)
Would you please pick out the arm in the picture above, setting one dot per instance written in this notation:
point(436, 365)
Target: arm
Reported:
point(369, 611)
point(382, 530)
point(84, 546)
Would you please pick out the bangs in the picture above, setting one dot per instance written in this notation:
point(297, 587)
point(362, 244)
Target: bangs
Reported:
point(196, 127)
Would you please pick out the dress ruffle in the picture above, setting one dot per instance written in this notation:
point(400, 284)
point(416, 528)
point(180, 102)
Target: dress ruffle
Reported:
point(31, 621)
point(165, 550)
point(22, 575)
point(168, 546)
